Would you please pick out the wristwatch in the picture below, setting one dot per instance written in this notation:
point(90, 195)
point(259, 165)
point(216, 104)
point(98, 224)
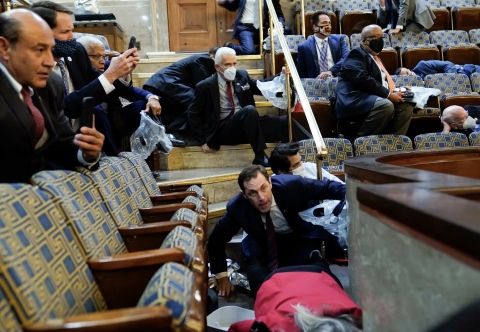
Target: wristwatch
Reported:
point(152, 96)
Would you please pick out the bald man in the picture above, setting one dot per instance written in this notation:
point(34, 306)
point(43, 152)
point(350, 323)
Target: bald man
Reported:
point(34, 133)
point(456, 118)
point(366, 101)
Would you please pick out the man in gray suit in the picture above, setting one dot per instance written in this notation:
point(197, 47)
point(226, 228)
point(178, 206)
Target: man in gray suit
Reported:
point(413, 15)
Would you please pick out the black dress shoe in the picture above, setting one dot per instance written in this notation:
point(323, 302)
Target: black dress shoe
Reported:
point(261, 161)
point(176, 142)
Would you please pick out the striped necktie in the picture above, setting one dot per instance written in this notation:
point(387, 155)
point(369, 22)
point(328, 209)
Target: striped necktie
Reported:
point(61, 65)
point(323, 57)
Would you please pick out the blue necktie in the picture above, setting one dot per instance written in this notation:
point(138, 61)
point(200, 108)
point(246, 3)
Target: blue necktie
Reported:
point(61, 65)
point(323, 57)
point(392, 15)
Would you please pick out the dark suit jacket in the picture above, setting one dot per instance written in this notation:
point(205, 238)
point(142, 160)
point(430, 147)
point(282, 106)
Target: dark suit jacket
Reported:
point(17, 131)
point(204, 112)
point(359, 84)
point(233, 5)
point(307, 58)
point(85, 81)
point(178, 80)
point(428, 67)
point(292, 194)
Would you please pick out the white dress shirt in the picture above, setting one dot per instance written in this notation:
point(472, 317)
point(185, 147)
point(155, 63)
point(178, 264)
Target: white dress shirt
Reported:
point(18, 87)
point(384, 76)
point(320, 42)
point(247, 15)
point(225, 107)
point(311, 173)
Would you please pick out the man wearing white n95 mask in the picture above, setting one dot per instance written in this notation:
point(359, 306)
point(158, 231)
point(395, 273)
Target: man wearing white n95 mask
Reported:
point(457, 118)
point(285, 159)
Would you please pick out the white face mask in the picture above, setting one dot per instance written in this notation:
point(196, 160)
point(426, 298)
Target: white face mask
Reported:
point(300, 170)
point(469, 123)
point(230, 73)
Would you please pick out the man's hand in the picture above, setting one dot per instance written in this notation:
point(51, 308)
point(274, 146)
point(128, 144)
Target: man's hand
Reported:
point(395, 97)
point(206, 149)
point(393, 31)
point(225, 287)
point(122, 65)
point(285, 70)
point(90, 142)
point(446, 126)
point(154, 105)
point(324, 75)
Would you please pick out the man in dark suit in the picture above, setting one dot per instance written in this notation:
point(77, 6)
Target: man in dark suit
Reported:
point(175, 85)
point(428, 67)
point(34, 133)
point(120, 120)
point(267, 210)
point(223, 112)
point(322, 54)
point(366, 101)
point(247, 23)
point(413, 15)
point(73, 64)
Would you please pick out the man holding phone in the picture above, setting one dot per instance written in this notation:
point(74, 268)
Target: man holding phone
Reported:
point(72, 63)
point(34, 133)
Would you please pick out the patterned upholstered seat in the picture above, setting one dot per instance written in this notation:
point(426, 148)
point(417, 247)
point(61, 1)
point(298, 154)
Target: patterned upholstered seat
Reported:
point(338, 150)
point(171, 287)
point(446, 38)
point(316, 89)
point(186, 214)
point(475, 80)
point(292, 41)
point(8, 320)
point(313, 6)
point(199, 204)
point(474, 139)
point(355, 40)
point(147, 178)
point(456, 45)
point(440, 140)
point(87, 215)
point(474, 35)
point(103, 39)
point(461, 4)
point(411, 80)
point(186, 240)
point(404, 39)
point(42, 271)
point(448, 83)
point(381, 143)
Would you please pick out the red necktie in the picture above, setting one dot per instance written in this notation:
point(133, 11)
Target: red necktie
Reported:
point(37, 115)
point(230, 98)
point(272, 255)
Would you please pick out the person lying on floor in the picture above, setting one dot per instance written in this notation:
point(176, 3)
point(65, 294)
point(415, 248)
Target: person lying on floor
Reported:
point(314, 300)
point(428, 67)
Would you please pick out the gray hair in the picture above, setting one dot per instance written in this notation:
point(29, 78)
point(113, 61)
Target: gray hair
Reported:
point(221, 52)
point(88, 42)
point(309, 321)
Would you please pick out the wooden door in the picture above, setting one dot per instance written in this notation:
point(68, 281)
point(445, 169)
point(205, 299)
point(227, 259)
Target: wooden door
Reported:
point(192, 25)
point(225, 23)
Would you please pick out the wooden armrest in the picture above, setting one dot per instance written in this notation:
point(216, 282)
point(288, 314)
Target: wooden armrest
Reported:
point(152, 228)
point(136, 259)
point(162, 212)
point(177, 187)
point(172, 196)
point(198, 300)
point(120, 320)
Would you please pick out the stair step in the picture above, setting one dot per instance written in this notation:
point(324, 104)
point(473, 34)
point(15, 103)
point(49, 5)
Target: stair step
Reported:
point(215, 212)
point(193, 157)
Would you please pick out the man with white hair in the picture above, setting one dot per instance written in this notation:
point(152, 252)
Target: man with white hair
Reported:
point(223, 111)
point(457, 118)
point(111, 118)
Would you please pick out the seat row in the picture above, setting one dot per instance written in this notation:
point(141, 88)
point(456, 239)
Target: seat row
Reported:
point(405, 49)
point(340, 149)
point(76, 244)
point(350, 17)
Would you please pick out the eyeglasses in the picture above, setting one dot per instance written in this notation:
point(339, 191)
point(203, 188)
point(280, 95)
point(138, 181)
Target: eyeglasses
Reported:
point(97, 57)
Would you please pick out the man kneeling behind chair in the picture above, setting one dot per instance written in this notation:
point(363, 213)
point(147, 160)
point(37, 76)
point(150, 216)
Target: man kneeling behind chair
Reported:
point(366, 101)
point(267, 210)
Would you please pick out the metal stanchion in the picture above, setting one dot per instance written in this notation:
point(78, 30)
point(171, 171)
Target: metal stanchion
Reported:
point(289, 104)
point(260, 27)
point(319, 157)
point(302, 13)
point(272, 50)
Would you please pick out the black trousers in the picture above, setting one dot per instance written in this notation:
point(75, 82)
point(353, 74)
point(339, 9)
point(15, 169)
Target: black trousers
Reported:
point(292, 250)
point(247, 127)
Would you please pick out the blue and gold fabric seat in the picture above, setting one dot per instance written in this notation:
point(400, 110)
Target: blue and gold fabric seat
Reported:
point(440, 140)
point(292, 41)
point(475, 80)
point(338, 150)
point(186, 240)
point(199, 225)
point(381, 143)
point(8, 320)
point(474, 139)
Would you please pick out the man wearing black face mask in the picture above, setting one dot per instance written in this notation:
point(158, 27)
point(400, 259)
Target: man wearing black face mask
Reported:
point(72, 62)
point(366, 101)
point(322, 54)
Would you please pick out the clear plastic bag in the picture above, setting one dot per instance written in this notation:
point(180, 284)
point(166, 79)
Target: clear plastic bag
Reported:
point(150, 133)
point(331, 215)
point(274, 91)
point(86, 7)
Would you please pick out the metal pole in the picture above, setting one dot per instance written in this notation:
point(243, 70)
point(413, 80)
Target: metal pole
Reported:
point(260, 27)
point(272, 50)
point(302, 13)
point(289, 105)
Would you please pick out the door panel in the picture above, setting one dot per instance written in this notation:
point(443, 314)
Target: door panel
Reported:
point(192, 25)
point(225, 24)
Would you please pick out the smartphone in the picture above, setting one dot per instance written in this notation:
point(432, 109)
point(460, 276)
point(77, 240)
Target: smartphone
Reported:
point(132, 42)
point(87, 112)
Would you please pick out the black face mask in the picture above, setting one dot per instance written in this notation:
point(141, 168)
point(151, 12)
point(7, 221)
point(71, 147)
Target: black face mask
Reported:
point(376, 45)
point(64, 48)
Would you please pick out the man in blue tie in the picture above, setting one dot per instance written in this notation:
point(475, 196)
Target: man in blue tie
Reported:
point(322, 54)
